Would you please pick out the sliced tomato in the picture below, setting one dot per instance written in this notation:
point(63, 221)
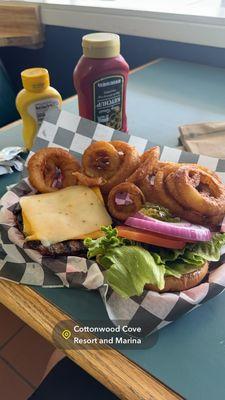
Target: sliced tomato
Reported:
point(153, 238)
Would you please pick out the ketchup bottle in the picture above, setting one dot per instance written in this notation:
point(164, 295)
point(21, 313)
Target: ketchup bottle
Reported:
point(100, 79)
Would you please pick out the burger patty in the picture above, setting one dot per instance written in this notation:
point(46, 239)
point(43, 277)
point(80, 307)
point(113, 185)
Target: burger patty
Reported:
point(66, 248)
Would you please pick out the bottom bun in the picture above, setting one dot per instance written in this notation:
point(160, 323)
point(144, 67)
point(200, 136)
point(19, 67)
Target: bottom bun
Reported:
point(186, 281)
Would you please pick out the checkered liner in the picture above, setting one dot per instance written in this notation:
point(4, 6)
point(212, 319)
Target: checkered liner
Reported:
point(151, 310)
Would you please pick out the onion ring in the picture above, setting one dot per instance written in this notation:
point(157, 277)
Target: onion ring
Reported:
point(130, 161)
point(168, 199)
point(45, 163)
point(82, 179)
point(148, 189)
point(208, 171)
point(147, 166)
point(146, 154)
point(161, 193)
point(151, 188)
point(100, 159)
point(122, 212)
point(154, 188)
point(171, 200)
point(174, 165)
point(197, 190)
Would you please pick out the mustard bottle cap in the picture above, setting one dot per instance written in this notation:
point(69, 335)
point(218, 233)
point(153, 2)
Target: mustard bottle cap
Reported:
point(35, 79)
point(101, 45)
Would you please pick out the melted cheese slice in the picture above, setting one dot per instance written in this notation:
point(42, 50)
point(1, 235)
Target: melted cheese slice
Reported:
point(69, 213)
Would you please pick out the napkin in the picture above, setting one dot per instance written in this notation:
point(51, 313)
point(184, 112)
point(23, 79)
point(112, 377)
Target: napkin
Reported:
point(9, 159)
point(205, 138)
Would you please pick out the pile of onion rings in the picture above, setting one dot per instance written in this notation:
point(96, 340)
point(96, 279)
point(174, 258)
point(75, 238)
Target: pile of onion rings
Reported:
point(103, 164)
point(189, 191)
point(196, 191)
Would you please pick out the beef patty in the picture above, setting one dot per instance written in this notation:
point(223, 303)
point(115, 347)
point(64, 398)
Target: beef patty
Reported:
point(66, 248)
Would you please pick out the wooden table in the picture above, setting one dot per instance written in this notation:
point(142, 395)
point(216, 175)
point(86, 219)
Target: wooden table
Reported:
point(159, 87)
point(112, 369)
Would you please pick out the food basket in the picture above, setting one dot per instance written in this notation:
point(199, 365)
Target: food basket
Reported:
point(151, 311)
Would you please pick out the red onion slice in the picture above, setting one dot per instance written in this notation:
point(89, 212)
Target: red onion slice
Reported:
point(123, 199)
point(183, 229)
point(223, 225)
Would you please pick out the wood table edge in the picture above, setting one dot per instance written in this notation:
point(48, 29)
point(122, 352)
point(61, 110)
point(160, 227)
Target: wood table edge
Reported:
point(120, 375)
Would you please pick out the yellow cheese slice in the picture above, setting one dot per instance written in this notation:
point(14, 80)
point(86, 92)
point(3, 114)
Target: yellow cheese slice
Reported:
point(63, 215)
point(92, 235)
point(98, 193)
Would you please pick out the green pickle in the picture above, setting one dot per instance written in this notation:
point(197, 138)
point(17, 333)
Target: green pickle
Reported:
point(158, 212)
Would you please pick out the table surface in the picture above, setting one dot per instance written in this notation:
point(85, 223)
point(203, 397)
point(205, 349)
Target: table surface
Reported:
point(188, 355)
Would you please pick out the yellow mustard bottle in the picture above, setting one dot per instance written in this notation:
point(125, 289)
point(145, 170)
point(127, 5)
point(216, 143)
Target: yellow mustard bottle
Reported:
point(34, 100)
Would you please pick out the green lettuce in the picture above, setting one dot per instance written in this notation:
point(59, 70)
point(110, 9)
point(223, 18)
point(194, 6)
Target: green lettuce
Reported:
point(192, 257)
point(100, 246)
point(209, 251)
point(128, 266)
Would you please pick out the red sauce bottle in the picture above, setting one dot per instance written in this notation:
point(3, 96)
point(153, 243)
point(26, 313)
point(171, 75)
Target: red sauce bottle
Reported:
point(100, 79)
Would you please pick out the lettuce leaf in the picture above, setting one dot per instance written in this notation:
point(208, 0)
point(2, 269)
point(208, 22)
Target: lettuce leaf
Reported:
point(173, 272)
point(129, 268)
point(101, 245)
point(193, 253)
point(180, 269)
point(209, 251)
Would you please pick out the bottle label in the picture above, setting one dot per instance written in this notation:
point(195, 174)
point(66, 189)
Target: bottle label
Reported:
point(108, 101)
point(38, 109)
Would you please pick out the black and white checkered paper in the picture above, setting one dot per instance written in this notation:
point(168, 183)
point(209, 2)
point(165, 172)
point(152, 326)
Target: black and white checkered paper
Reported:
point(151, 311)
